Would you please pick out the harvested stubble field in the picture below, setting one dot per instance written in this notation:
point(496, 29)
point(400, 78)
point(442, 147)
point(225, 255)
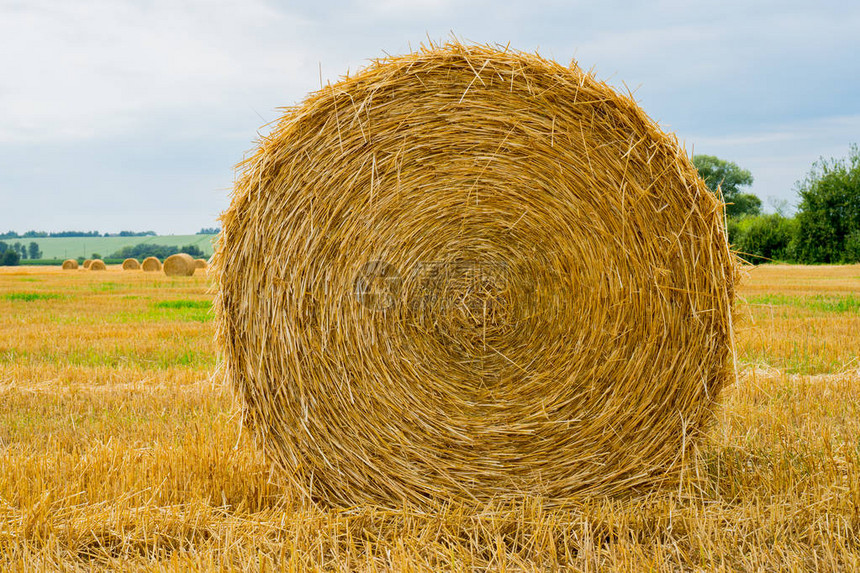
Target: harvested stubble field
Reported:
point(120, 449)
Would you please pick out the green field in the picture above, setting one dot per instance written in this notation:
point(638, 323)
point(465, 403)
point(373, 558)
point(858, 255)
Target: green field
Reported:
point(74, 247)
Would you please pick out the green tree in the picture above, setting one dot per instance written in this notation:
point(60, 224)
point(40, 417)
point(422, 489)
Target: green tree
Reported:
point(34, 251)
point(829, 212)
point(20, 249)
point(760, 238)
point(143, 250)
point(9, 258)
point(730, 179)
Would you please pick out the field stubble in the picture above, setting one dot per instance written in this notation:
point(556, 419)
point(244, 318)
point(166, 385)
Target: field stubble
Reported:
point(119, 449)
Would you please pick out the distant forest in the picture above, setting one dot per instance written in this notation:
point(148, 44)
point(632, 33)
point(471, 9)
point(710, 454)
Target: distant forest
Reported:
point(63, 234)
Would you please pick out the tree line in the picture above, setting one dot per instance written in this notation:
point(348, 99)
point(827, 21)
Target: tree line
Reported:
point(144, 250)
point(825, 229)
point(65, 234)
point(61, 234)
point(11, 255)
point(44, 234)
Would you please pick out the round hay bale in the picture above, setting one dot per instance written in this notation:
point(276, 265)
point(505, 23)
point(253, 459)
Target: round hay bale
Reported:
point(131, 265)
point(97, 265)
point(87, 263)
point(179, 265)
point(151, 264)
point(200, 264)
point(70, 265)
point(471, 274)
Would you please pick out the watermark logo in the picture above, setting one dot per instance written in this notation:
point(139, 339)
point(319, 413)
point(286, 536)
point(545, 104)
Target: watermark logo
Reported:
point(377, 285)
point(433, 286)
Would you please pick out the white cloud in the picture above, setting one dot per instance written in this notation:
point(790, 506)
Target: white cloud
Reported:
point(97, 69)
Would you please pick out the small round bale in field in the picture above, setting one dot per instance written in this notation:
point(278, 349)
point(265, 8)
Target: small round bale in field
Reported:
point(201, 263)
point(131, 265)
point(476, 275)
point(179, 265)
point(97, 265)
point(87, 263)
point(70, 265)
point(151, 264)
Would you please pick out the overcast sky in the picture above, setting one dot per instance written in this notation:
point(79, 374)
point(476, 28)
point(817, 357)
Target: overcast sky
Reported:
point(131, 115)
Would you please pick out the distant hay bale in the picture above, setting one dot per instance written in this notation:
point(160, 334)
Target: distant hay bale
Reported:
point(473, 274)
point(97, 265)
point(131, 265)
point(150, 264)
point(70, 265)
point(179, 265)
point(200, 263)
point(87, 263)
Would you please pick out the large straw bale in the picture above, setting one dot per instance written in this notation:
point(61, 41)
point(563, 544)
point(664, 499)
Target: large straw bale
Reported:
point(179, 265)
point(473, 274)
point(97, 265)
point(151, 264)
point(87, 263)
point(201, 264)
point(70, 265)
point(131, 265)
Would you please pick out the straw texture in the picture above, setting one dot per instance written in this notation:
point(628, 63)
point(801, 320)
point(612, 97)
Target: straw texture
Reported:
point(70, 265)
point(87, 263)
point(97, 265)
point(179, 265)
point(151, 264)
point(200, 264)
point(131, 265)
point(473, 274)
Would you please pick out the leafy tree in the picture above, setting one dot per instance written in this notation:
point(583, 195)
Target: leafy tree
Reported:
point(3, 247)
point(34, 251)
point(852, 247)
point(143, 250)
point(75, 234)
point(135, 233)
point(829, 211)
point(729, 178)
point(9, 258)
point(192, 250)
point(96, 256)
point(760, 238)
point(209, 231)
point(20, 249)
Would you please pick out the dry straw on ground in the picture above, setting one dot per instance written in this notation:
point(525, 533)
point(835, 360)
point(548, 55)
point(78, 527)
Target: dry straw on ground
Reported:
point(151, 264)
point(473, 274)
point(87, 263)
point(131, 265)
point(179, 265)
point(200, 263)
point(97, 265)
point(70, 265)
